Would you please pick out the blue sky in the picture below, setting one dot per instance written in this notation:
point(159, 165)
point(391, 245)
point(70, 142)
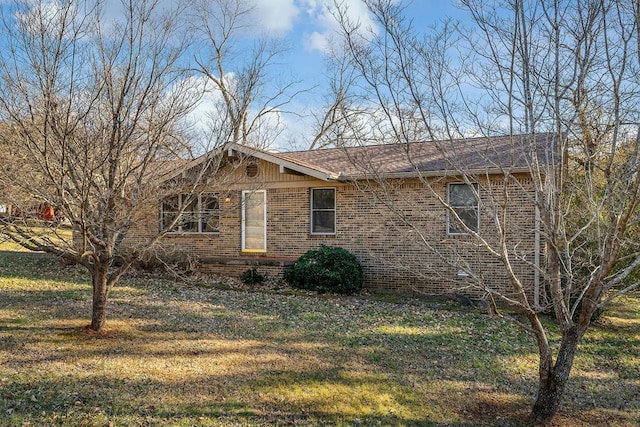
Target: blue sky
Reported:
point(306, 26)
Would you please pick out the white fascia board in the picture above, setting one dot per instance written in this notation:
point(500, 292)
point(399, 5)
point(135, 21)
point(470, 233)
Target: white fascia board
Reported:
point(440, 173)
point(284, 164)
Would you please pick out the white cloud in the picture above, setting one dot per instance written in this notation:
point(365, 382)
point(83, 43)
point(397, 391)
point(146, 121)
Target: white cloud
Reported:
point(45, 18)
point(317, 41)
point(322, 13)
point(275, 15)
point(210, 126)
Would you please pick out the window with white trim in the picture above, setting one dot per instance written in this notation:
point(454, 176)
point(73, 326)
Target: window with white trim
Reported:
point(323, 211)
point(462, 199)
point(196, 213)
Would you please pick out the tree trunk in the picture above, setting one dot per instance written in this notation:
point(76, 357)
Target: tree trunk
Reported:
point(100, 290)
point(553, 381)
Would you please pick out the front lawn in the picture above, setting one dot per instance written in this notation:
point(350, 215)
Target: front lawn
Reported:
point(184, 354)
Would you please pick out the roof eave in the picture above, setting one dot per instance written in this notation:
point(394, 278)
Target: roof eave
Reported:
point(283, 163)
point(191, 164)
point(437, 173)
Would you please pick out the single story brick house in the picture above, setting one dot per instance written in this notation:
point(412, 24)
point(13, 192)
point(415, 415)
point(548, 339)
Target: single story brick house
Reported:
point(387, 204)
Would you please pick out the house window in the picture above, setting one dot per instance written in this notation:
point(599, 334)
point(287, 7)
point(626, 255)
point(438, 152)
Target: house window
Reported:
point(463, 201)
point(323, 211)
point(196, 213)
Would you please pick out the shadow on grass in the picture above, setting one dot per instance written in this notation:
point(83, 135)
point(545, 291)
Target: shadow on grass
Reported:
point(39, 266)
point(254, 391)
point(180, 355)
point(263, 382)
point(254, 401)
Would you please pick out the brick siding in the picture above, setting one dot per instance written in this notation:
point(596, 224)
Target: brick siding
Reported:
point(385, 228)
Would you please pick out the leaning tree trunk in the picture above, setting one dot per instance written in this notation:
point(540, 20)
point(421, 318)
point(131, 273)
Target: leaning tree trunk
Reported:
point(554, 379)
point(100, 290)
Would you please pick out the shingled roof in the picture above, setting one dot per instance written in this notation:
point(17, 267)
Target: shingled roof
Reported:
point(471, 155)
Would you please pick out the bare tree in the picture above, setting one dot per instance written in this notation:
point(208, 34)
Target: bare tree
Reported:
point(235, 62)
point(97, 112)
point(92, 110)
point(569, 70)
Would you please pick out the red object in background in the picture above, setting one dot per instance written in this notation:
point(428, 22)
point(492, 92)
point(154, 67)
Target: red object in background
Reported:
point(46, 212)
point(43, 211)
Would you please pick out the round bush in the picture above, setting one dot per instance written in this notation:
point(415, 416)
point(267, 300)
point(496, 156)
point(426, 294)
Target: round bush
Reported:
point(326, 269)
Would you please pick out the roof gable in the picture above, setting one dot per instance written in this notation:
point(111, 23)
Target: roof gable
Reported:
point(286, 165)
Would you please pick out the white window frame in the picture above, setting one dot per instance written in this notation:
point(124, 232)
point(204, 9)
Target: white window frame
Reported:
point(334, 210)
point(199, 212)
point(451, 220)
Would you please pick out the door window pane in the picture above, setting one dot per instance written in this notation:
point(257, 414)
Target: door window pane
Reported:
point(254, 225)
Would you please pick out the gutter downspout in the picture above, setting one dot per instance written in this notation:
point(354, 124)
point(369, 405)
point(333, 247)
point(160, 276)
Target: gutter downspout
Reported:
point(536, 258)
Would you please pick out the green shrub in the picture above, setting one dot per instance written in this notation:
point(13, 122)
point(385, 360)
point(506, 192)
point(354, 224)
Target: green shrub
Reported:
point(252, 277)
point(326, 269)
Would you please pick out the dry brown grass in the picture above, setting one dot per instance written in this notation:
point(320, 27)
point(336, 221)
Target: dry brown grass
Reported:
point(176, 353)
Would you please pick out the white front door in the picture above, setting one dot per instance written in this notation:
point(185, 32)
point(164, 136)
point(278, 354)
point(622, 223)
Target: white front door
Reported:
point(254, 221)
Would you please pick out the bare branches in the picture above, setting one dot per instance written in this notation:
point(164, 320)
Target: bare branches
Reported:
point(529, 68)
point(235, 68)
point(92, 107)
